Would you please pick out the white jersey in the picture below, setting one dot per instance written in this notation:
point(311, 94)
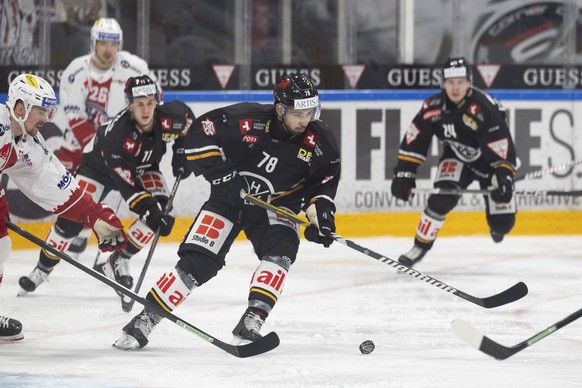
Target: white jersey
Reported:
point(35, 170)
point(94, 96)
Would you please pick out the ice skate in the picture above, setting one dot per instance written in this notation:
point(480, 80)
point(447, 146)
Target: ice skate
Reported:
point(497, 237)
point(117, 268)
point(31, 282)
point(248, 328)
point(413, 256)
point(78, 246)
point(10, 329)
point(136, 332)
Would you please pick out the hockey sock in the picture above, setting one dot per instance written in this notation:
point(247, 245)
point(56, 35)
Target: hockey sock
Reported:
point(267, 283)
point(428, 228)
point(171, 290)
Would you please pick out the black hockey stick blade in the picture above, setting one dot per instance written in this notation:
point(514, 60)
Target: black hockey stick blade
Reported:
point(262, 345)
point(513, 293)
point(466, 332)
point(127, 303)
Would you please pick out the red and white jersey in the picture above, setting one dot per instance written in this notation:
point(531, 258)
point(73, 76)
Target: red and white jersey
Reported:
point(92, 96)
point(36, 171)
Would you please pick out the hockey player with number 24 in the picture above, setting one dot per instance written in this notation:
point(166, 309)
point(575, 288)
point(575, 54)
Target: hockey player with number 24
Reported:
point(473, 129)
point(279, 152)
point(26, 159)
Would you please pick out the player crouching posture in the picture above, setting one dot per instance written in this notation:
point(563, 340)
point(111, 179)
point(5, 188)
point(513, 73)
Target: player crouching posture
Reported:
point(473, 129)
point(124, 156)
point(280, 152)
point(25, 158)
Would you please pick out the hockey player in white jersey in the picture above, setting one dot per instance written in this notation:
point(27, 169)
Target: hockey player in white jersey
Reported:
point(91, 93)
point(26, 159)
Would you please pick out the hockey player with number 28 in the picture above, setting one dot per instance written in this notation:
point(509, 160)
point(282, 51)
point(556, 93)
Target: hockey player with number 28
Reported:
point(26, 159)
point(124, 156)
point(473, 129)
point(280, 152)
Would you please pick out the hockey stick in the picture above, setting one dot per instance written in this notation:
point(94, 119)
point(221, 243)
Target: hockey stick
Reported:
point(262, 345)
point(466, 332)
point(127, 303)
point(116, 210)
point(452, 191)
point(548, 170)
point(512, 294)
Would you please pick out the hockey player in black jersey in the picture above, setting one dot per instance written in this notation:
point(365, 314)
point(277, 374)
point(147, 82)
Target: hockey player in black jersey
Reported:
point(473, 130)
point(279, 152)
point(124, 156)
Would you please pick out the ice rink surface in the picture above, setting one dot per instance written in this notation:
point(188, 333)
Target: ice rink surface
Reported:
point(333, 300)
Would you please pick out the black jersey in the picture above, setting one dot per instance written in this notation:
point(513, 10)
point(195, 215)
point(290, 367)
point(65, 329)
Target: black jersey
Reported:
point(121, 152)
point(475, 130)
point(278, 167)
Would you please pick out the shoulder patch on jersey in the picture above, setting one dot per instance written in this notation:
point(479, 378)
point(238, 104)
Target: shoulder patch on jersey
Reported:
point(130, 146)
point(500, 147)
point(208, 127)
point(245, 125)
point(473, 109)
point(310, 138)
point(412, 133)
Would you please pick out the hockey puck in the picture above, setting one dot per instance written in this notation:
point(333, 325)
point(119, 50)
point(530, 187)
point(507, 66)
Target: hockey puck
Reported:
point(367, 347)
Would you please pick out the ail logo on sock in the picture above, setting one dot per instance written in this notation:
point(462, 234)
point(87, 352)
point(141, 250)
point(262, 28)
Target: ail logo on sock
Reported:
point(170, 290)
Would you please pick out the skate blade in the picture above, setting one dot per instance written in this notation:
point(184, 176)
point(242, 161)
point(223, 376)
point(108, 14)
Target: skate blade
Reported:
point(126, 342)
point(12, 338)
point(22, 292)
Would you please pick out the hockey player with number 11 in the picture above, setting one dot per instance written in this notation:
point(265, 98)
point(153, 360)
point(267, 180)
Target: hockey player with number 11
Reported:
point(26, 159)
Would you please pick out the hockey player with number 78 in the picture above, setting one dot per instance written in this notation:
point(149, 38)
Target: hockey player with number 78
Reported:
point(279, 152)
point(26, 159)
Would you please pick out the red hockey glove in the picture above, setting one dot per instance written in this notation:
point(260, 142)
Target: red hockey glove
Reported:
point(71, 159)
point(107, 227)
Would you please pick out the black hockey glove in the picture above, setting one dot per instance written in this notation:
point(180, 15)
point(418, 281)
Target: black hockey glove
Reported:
point(154, 218)
point(402, 184)
point(321, 215)
point(503, 181)
point(179, 159)
point(163, 201)
point(225, 187)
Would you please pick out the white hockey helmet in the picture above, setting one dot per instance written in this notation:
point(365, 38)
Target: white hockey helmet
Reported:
point(106, 29)
point(32, 91)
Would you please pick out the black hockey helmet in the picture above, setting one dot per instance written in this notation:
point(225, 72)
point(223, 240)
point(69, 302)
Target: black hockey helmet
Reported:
point(296, 91)
point(456, 67)
point(141, 86)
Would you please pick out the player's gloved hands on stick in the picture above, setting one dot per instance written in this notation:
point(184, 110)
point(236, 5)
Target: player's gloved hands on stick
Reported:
point(402, 184)
point(107, 227)
point(154, 218)
point(321, 216)
point(225, 188)
point(179, 163)
point(503, 180)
